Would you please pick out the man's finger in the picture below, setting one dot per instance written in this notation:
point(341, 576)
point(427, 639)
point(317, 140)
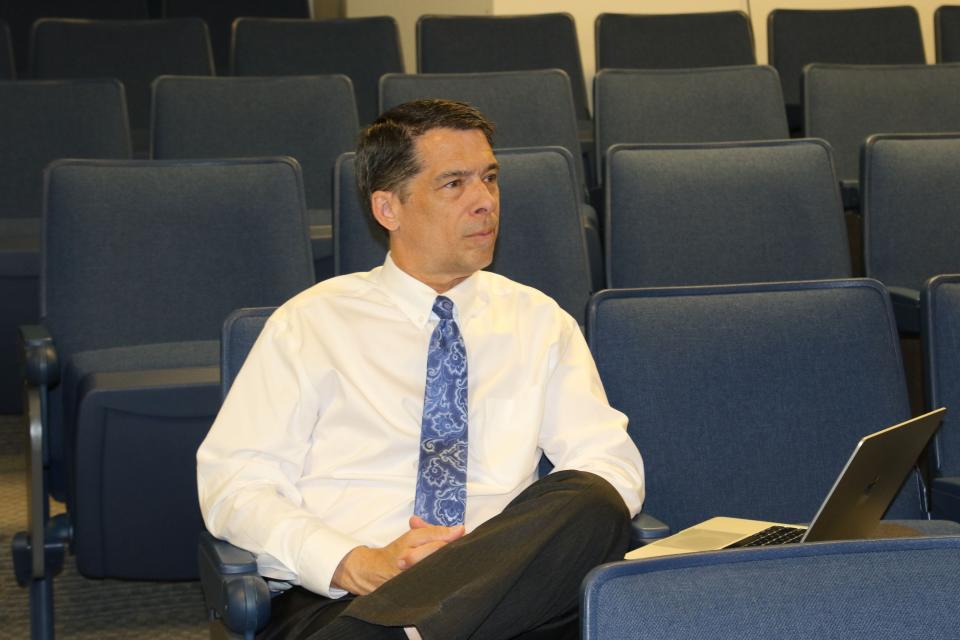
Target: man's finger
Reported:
point(413, 555)
point(431, 533)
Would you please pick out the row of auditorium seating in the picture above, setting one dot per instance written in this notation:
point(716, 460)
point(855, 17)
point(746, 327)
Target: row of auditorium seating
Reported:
point(314, 119)
point(745, 400)
point(217, 14)
point(865, 589)
point(845, 104)
point(366, 48)
point(224, 117)
point(138, 52)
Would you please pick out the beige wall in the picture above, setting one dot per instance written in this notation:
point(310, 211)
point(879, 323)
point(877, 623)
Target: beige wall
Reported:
point(325, 9)
point(585, 12)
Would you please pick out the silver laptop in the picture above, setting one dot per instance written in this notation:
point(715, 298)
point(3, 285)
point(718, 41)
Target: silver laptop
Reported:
point(852, 510)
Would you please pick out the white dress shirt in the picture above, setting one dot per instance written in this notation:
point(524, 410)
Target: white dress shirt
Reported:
point(316, 447)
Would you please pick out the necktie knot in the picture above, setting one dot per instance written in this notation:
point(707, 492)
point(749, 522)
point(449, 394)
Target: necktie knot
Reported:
point(443, 307)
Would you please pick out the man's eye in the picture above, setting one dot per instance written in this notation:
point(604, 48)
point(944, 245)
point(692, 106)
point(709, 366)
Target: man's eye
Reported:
point(491, 177)
point(453, 184)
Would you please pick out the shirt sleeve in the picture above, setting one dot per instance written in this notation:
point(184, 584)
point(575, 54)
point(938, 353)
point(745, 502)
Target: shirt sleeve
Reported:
point(580, 429)
point(249, 463)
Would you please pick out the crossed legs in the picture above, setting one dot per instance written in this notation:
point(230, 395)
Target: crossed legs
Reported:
point(516, 572)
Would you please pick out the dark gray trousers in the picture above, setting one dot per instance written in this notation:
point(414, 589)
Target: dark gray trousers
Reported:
point(516, 573)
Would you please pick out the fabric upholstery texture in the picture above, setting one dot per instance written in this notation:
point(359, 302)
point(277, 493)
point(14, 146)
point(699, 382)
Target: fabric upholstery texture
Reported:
point(875, 35)
point(846, 103)
point(363, 49)
point(687, 105)
point(359, 242)
point(673, 41)
point(909, 203)
point(310, 118)
point(747, 400)
point(193, 230)
point(940, 309)
point(942, 343)
point(835, 591)
point(41, 121)
point(240, 330)
point(450, 44)
point(946, 22)
point(21, 15)
point(723, 213)
point(135, 52)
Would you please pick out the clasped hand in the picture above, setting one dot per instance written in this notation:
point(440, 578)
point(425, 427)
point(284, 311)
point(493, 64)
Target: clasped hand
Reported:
point(364, 569)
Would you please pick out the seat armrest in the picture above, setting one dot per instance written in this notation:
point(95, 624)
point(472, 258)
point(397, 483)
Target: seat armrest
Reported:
point(233, 590)
point(41, 365)
point(226, 558)
point(36, 558)
point(644, 528)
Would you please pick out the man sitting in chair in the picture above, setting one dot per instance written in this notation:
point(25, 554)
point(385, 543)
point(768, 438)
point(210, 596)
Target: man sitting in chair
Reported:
point(379, 449)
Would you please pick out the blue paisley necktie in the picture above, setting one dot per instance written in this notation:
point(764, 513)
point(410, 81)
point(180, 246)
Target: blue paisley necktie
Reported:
point(441, 496)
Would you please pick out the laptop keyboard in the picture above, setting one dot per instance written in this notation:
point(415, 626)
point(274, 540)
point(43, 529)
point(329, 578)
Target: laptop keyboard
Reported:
point(771, 535)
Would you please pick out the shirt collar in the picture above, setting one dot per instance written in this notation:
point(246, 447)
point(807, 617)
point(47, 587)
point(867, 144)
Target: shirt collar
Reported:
point(415, 299)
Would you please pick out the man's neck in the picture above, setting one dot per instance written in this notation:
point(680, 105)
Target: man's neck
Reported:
point(441, 283)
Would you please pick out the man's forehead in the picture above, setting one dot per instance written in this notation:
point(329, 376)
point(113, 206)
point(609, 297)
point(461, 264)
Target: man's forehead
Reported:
point(442, 146)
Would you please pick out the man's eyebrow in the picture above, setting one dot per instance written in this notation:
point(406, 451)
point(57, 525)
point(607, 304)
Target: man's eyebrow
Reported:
point(461, 173)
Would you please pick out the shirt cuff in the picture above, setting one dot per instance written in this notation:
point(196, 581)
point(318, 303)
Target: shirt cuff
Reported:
point(320, 556)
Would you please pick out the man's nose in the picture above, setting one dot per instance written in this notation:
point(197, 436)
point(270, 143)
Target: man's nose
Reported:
point(487, 197)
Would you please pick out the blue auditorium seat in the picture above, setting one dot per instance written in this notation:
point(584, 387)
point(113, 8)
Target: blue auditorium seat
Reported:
point(746, 400)
point(132, 51)
point(940, 311)
point(142, 260)
point(674, 40)
point(911, 230)
point(311, 118)
point(363, 49)
point(844, 104)
point(453, 44)
point(21, 14)
point(946, 23)
point(715, 104)
point(720, 213)
point(858, 590)
point(872, 35)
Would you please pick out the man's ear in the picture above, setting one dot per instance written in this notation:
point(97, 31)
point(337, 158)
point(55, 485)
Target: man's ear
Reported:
point(386, 209)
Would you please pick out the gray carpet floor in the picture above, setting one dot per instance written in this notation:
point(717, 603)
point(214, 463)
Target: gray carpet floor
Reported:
point(85, 609)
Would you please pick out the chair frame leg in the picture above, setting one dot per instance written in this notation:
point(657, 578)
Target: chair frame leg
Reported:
point(38, 553)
